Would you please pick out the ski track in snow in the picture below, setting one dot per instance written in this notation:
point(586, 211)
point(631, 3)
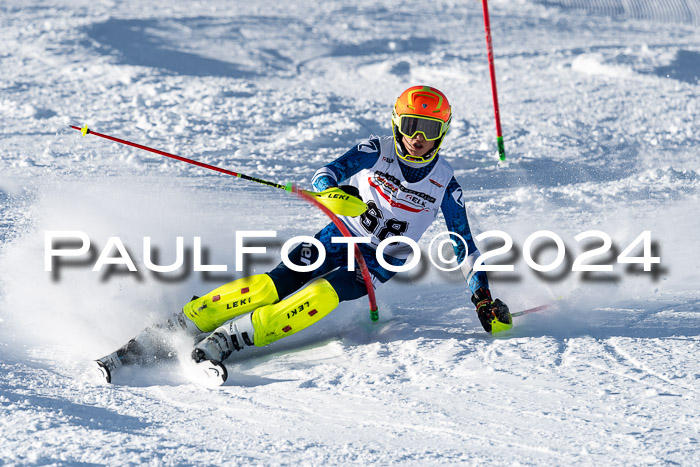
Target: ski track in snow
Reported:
point(599, 104)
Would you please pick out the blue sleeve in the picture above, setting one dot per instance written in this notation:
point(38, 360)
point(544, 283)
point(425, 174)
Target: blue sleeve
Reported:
point(362, 156)
point(456, 219)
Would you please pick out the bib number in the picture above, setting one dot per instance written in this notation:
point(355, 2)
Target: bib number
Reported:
point(373, 221)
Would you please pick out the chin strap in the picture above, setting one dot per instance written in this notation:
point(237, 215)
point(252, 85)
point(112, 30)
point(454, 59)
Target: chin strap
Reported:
point(404, 156)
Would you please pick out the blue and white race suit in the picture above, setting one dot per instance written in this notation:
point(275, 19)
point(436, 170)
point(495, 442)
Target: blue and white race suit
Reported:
point(402, 200)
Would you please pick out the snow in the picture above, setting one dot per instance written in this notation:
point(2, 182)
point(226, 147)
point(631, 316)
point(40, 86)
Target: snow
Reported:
point(599, 104)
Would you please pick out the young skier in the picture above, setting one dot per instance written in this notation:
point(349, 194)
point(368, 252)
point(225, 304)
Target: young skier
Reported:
point(404, 182)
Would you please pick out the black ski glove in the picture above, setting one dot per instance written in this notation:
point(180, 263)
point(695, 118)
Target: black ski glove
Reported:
point(493, 314)
point(351, 190)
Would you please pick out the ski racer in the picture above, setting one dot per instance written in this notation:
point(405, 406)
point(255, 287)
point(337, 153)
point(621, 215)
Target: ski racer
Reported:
point(404, 182)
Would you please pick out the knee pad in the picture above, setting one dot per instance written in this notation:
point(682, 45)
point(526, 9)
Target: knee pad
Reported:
point(301, 310)
point(230, 300)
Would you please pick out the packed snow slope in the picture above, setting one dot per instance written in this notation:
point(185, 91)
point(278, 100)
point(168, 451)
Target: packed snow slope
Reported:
point(600, 112)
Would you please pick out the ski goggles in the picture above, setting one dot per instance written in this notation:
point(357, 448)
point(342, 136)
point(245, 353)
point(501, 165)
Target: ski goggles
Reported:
point(430, 128)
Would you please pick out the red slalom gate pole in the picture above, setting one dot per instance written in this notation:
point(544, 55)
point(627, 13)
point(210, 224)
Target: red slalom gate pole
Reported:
point(492, 71)
point(373, 309)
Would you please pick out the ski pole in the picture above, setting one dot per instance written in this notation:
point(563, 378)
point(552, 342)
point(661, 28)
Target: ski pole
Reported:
point(492, 72)
point(531, 310)
point(348, 208)
point(85, 131)
point(307, 195)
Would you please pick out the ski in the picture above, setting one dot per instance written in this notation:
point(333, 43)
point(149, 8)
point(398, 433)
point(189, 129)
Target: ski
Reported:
point(103, 367)
point(206, 372)
point(211, 373)
point(153, 344)
point(129, 354)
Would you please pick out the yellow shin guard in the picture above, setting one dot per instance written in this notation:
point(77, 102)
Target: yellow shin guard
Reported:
point(301, 310)
point(230, 300)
